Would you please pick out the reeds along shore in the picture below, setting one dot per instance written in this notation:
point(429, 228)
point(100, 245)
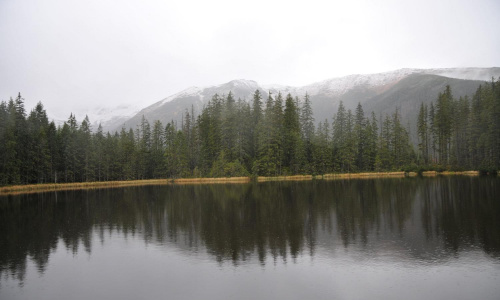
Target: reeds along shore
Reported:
point(46, 187)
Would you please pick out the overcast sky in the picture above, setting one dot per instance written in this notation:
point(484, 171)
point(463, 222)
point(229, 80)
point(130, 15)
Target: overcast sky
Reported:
point(77, 55)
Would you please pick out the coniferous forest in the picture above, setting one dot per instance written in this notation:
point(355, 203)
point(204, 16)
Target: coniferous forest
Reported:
point(265, 137)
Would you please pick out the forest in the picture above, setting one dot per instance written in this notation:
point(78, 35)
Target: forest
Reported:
point(263, 137)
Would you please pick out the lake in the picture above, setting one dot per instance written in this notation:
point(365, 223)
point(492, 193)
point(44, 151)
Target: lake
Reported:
point(404, 238)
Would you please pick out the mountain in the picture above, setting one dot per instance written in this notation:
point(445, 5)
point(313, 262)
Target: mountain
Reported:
point(174, 106)
point(108, 117)
point(405, 89)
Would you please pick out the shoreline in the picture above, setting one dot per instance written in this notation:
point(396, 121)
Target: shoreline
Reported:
point(49, 187)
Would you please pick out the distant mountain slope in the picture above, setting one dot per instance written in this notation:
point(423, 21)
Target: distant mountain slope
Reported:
point(408, 94)
point(381, 93)
point(174, 107)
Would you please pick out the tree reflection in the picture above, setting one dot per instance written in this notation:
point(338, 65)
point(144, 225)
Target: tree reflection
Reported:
point(422, 218)
point(462, 212)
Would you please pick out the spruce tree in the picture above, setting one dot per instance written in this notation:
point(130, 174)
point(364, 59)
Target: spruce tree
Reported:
point(422, 130)
point(360, 133)
point(307, 131)
point(340, 138)
point(256, 119)
point(291, 137)
point(157, 150)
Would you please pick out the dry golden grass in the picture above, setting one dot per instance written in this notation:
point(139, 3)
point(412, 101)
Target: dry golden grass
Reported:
point(211, 180)
point(466, 173)
point(285, 178)
point(36, 188)
point(364, 175)
point(429, 173)
point(450, 173)
point(45, 187)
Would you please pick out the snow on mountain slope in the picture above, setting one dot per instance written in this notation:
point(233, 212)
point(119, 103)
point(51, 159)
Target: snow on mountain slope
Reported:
point(330, 90)
point(333, 86)
point(484, 74)
point(106, 116)
point(339, 86)
point(109, 117)
point(187, 92)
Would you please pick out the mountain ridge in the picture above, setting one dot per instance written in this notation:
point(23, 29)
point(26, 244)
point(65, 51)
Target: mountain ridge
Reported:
point(330, 91)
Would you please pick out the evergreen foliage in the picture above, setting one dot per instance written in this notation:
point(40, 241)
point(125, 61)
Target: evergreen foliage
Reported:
point(231, 137)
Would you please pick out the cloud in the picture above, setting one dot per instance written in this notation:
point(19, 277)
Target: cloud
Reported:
point(78, 54)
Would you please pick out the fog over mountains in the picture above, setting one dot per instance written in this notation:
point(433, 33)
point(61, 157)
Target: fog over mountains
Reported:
point(382, 93)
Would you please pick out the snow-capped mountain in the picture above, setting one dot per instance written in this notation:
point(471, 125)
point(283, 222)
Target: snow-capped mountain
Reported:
point(106, 116)
point(109, 117)
point(341, 85)
point(193, 98)
point(413, 87)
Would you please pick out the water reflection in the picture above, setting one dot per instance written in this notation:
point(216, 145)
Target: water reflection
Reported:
point(412, 219)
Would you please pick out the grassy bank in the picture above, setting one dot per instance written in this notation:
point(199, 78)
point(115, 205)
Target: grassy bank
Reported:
point(47, 187)
point(368, 175)
point(285, 178)
point(447, 173)
point(211, 180)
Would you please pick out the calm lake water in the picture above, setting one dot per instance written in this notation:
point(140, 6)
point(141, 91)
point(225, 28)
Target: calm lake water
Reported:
point(411, 238)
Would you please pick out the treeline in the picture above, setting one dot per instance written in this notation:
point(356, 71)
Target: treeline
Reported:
point(267, 137)
point(278, 137)
point(461, 133)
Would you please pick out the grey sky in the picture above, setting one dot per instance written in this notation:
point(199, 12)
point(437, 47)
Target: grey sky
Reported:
point(77, 55)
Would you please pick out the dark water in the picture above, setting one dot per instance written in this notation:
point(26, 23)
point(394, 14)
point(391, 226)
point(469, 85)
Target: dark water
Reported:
point(415, 238)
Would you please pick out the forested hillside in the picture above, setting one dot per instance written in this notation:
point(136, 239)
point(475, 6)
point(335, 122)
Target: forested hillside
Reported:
point(272, 136)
